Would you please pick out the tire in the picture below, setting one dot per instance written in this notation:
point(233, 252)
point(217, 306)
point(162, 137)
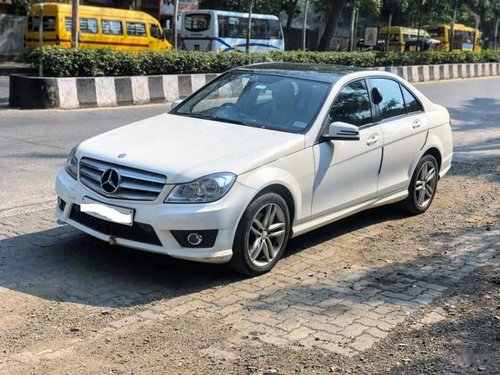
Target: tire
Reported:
point(423, 186)
point(261, 236)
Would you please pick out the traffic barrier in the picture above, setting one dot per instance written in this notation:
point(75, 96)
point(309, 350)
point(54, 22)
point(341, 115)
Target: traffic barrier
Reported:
point(68, 93)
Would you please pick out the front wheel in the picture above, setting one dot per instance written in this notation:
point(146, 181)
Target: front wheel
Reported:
point(261, 236)
point(422, 185)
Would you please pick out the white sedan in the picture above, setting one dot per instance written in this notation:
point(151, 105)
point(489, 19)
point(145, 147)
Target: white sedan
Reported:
point(261, 154)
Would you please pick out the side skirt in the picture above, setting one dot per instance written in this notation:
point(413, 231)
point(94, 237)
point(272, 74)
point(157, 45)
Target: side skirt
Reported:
point(310, 225)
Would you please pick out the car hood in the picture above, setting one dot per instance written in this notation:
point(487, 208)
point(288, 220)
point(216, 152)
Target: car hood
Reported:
point(184, 148)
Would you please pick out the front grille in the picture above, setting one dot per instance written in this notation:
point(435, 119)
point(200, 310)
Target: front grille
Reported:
point(138, 232)
point(135, 184)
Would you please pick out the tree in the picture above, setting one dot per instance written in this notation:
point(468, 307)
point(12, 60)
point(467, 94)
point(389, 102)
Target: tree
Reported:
point(332, 9)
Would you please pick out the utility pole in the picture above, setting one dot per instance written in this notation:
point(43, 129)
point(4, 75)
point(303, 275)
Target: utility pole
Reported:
point(452, 32)
point(40, 38)
point(388, 33)
point(176, 12)
point(420, 26)
point(249, 29)
point(75, 29)
point(304, 26)
point(496, 35)
point(353, 18)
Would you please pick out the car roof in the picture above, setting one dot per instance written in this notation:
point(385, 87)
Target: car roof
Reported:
point(318, 72)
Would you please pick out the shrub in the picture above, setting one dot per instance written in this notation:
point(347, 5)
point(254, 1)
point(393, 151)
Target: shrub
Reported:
point(59, 62)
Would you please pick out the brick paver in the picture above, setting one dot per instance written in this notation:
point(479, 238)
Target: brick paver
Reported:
point(308, 300)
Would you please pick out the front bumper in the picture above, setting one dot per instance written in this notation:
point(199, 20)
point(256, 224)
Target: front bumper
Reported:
point(222, 216)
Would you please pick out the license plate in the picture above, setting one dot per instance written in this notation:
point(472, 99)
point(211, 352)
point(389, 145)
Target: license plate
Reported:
point(120, 215)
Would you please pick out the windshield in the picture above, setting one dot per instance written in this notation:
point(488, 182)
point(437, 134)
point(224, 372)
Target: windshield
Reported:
point(259, 100)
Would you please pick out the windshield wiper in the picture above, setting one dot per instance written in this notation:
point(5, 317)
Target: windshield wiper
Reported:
point(230, 120)
point(221, 119)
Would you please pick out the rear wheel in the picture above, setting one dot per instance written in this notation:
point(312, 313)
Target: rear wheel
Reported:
point(261, 236)
point(423, 185)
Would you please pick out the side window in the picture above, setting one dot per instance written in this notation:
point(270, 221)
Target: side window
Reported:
point(49, 23)
point(111, 27)
point(392, 103)
point(412, 104)
point(352, 105)
point(136, 29)
point(155, 32)
point(88, 25)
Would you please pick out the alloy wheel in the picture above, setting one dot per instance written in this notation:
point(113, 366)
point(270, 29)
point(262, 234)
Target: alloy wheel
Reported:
point(425, 185)
point(266, 235)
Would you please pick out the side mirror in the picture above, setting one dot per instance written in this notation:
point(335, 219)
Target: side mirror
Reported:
point(175, 103)
point(342, 131)
point(376, 96)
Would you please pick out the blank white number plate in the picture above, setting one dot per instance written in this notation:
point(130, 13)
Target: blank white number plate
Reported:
point(100, 210)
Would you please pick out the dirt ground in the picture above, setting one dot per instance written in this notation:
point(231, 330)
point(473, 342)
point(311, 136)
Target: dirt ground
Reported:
point(456, 333)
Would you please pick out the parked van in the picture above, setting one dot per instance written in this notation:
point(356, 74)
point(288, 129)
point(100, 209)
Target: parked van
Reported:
point(118, 29)
point(465, 38)
point(398, 37)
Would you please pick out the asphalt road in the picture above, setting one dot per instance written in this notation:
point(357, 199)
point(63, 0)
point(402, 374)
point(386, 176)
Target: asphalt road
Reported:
point(34, 144)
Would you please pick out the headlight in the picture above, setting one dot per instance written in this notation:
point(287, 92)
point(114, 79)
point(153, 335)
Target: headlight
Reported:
point(203, 190)
point(72, 163)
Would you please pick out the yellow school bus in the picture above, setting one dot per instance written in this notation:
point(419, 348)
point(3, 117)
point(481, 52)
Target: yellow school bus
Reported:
point(399, 35)
point(118, 29)
point(466, 38)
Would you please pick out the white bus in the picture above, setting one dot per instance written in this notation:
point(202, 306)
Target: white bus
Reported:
point(215, 30)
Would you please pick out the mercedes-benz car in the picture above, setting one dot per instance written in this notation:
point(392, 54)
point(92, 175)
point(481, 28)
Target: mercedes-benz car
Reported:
point(259, 155)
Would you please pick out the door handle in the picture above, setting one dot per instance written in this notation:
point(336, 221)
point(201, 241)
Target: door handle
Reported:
point(416, 124)
point(372, 140)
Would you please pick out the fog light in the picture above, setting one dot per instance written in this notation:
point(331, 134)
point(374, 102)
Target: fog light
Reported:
point(194, 239)
point(199, 239)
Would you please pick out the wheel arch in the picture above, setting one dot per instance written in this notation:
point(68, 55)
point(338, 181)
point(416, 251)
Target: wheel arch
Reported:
point(286, 194)
point(436, 153)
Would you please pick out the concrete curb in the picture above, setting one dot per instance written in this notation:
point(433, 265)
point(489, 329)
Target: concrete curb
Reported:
point(69, 93)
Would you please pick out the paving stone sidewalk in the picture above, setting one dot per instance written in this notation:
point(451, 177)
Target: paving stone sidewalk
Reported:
point(308, 300)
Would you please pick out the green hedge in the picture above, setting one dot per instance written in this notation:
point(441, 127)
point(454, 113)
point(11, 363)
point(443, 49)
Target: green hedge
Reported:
point(59, 62)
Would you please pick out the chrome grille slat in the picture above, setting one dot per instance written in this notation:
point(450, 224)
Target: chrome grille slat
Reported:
point(135, 184)
point(125, 184)
point(90, 173)
point(124, 171)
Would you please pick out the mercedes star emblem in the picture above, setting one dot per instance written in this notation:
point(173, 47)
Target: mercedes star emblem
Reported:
point(110, 181)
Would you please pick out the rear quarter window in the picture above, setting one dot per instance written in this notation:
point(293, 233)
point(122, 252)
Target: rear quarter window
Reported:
point(411, 102)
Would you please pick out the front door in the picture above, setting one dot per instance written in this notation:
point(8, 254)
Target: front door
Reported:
point(346, 172)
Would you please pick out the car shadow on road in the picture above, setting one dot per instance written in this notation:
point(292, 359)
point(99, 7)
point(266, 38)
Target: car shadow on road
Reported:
point(475, 114)
point(63, 264)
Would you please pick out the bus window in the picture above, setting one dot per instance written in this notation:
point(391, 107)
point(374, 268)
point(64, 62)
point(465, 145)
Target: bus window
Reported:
point(236, 27)
point(394, 38)
point(155, 32)
point(275, 29)
point(136, 29)
point(111, 27)
point(265, 29)
point(88, 25)
point(436, 32)
point(231, 27)
point(49, 23)
point(197, 22)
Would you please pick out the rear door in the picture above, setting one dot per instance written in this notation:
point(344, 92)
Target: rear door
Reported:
point(404, 126)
